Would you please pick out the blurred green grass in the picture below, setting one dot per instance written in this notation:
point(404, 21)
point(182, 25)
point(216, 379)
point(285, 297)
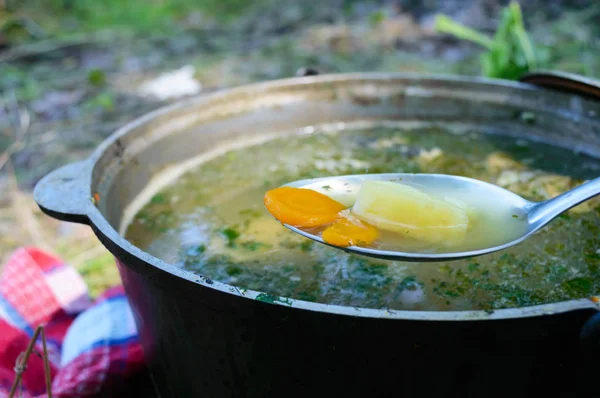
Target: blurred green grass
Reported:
point(66, 18)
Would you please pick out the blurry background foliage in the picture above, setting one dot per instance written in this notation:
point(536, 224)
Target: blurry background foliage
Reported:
point(510, 52)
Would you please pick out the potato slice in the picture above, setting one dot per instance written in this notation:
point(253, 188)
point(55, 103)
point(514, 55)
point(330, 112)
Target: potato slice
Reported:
point(413, 213)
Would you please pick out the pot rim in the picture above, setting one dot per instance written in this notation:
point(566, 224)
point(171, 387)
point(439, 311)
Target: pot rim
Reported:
point(121, 247)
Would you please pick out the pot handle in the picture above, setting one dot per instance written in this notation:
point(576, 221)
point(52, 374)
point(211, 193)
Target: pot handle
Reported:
point(565, 82)
point(65, 193)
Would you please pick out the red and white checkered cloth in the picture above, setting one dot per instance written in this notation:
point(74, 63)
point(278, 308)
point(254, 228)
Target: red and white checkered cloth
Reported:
point(91, 345)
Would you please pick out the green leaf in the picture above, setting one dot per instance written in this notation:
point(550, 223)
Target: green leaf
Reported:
point(104, 100)
point(376, 18)
point(510, 54)
point(158, 199)
point(446, 25)
point(230, 235)
point(96, 77)
point(254, 246)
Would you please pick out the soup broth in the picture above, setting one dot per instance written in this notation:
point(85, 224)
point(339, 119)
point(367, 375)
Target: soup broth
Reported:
point(212, 221)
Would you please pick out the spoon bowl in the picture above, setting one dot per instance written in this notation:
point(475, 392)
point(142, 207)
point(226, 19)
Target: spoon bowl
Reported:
point(536, 214)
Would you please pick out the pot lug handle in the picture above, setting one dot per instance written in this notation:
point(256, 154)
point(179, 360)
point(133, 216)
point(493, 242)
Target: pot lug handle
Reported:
point(566, 82)
point(65, 193)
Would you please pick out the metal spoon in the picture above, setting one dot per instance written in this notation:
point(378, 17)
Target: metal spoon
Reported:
point(537, 214)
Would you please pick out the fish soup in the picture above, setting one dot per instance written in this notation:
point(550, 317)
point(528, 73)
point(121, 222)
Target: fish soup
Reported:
point(212, 221)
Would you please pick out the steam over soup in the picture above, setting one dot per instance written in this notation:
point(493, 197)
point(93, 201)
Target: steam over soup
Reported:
point(213, 222)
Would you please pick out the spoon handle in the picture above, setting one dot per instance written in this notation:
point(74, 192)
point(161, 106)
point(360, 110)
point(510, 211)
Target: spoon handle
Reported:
point(543, 212)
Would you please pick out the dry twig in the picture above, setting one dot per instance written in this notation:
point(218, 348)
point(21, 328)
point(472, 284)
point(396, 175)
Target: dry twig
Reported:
point(25, 214)
point(90, 254)
point(21, 364)
point(22, 127)
point(46, 365)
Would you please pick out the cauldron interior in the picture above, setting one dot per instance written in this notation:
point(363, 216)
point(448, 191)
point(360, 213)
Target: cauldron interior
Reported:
point(181, 133)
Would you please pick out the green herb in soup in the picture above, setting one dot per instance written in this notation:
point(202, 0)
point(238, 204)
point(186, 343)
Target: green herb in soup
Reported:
point(212, 221)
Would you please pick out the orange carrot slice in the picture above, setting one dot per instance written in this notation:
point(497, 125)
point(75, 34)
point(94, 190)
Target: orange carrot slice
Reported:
point(345, 232)
point(301, 207)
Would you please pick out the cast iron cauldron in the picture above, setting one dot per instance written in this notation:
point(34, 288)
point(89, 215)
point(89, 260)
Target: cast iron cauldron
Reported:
point(207, 339)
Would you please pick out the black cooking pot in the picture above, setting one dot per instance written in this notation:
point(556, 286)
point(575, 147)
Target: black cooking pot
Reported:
point(205, 338)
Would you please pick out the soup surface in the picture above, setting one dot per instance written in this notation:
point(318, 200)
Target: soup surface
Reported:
point(212, 221)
